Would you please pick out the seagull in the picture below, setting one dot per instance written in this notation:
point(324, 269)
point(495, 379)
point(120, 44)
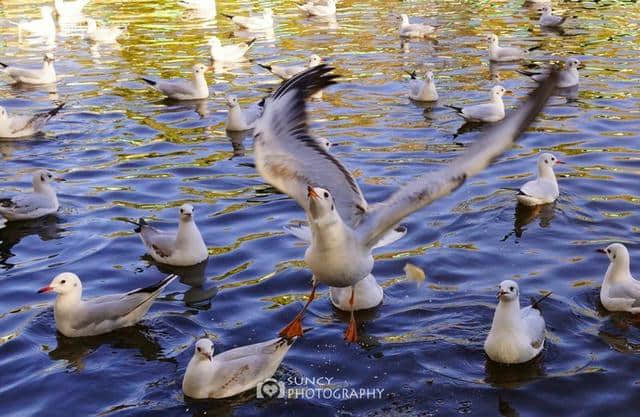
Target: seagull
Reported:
point(180, 89)
point(103, 34)
point(420, 90)
point(184, 248)
point(239, 120)
point(233, 371)
point(414, 30)
point(209, 5)
point(498, 53)
point(620, 291)
point(344, 228)
point(548, 19)
point(76, 317)
point(516, 335)
point(27, 206)
point(44, 75)
point(70, 8)
point(287, 71)
point(254, 22)
point(321, 10)
point(568, 77)
point(228, 53)
point(544, 189)
point(18, 126)
point(44, 27)
point(367, 294)
point(493, 111)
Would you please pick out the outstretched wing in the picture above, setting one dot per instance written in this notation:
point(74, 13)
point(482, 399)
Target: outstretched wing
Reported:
point(430, 187)
point(290, 159)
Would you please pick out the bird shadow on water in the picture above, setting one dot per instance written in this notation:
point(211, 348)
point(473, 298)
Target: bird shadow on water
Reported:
point(512, 376)
point(201, 293)
point(47, 228)
point(526, 214)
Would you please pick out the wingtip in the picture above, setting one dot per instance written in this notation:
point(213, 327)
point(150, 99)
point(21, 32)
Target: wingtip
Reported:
point(412, 74)
point(228, 16)
point(265, 66)
point(251, 42)
point(148, 81)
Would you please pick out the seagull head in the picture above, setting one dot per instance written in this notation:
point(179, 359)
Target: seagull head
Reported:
point(320, 202)
point(546, 162)
point(48, 58)
point(325, 143)
point(508, 291)
point(572, 63)
point(314, 60)
point(497, 92)
point(405, 19)
point(199, 69)
point(546, 9)
point(91, 25)
point(616, 252)
point(64, 283)
point(492, 39)
point(214, 41)
point(186, 212)
point(429, 76)
point(41, 180)
point(232, 101)
point(204, 349)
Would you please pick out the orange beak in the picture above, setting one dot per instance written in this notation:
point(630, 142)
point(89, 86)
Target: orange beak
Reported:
point(311, 193)
point(44, 289)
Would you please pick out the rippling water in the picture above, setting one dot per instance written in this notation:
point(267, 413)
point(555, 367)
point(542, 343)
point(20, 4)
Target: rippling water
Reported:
point(125, 153)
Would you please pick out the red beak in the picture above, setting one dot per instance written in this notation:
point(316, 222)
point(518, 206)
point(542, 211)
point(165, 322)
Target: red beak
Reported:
point(44, 289)
point(500, 294)
point(560, 162)
point(311, 192)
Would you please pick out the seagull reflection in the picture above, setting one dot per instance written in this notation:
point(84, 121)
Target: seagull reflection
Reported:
point(198, 106)
point(201, 292)
point(505, 409)
point(525, 215)
point(512, 376)
point(47, 228)
point(237, 142)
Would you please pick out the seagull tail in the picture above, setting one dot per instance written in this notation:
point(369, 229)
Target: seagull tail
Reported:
point(265, 66)
point(517, 190)
point(535, 303)
point(533, 48)
point(412, 74)
point(227, 15)
point(251, 42)
point(3, 65)
point(140, 223)
point(55, 111)
point(456, 108)
point(527, 73)
point(148, 81)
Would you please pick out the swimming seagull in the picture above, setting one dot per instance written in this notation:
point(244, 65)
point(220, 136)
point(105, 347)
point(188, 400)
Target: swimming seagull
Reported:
point(44, 27)
point(568, 77)
point(414, 30)
point(228, 53)
point(102, 34)
point(208, 5)
point(422, 90)
point(544, 189)
point(493, 111)
point(26, 206)
point(17, 126)
point(184, 248)
point(344, 228)
point(548, 19)
point(287, 71)
point(44, 75)
point(233, 371)
point(620, 291)
point(180, 89)
point(254, 22)
point(499, 53)
point(516, 335)
point(238, 119)
point(322, 10)
point(70, 8)
point(76, 317)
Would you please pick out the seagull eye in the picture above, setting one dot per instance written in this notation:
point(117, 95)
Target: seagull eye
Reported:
point(63, 281)
point(181, 211)
point(546, 161)
point(326, 194)
point(42, 178)
point(608, 250)
point(510, 288)
point(332, 207)
point(199, 350)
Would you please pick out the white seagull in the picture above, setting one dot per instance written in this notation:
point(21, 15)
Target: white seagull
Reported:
point(493, 111)
point(568, 77)
point(499, 53)
point(544, 189)
point(422, 90)
point(26, 206)
point(76, 317)
point(102, 34)
point(228, 53)
point(70, 8)
point(321, 10)
point(21, 125)
point(43, 75)
point(548, 19)
point(620, 291)
point(344, 228)
point(208, 5)
point(516, 335)
point(233, 371)
point(238, 119)
point(183, 248)
point(414, 30)
point(44, 27)
point(254, 22)
point(287, 71)
point(180, 89)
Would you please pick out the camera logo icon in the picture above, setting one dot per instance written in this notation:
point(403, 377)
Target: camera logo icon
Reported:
point(270, 388)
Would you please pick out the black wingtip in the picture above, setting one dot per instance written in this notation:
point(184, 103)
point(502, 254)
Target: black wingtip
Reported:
point(157, 286)
point(55, 111)
point(309, 81)
point(265, 66)
point(3, 65)
point(535, 303)
point(533, 48)
point(412, 74)
point(148, 81)
point(456, 108)
point(226, 15)
point(251, 42)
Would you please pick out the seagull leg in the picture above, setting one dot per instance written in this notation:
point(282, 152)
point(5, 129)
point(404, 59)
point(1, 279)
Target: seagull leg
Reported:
point(294, 329)
point(351, 335)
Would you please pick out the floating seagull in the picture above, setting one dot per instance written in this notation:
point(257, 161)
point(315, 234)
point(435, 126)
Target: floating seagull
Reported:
point(420, 90)
point(239, 120)
point(516, 335)
point(493, 111)
point(184, 248)
point(70, 8)
point(41, 202)
point(76, 317)
point(568, 77)
point(414, 30)
point(44, 27)
point(321, 10)
point(498, 53)
point(18, 126)
point(228, 53)
point(254, 22)
point(548, 19)
point(180, 89)
point(344, 228)
point(287, 71)
point(44, 75)
point(620, 291)
point(544, 189)
point(103, 34)
point(233, 371)
point(209, 5)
